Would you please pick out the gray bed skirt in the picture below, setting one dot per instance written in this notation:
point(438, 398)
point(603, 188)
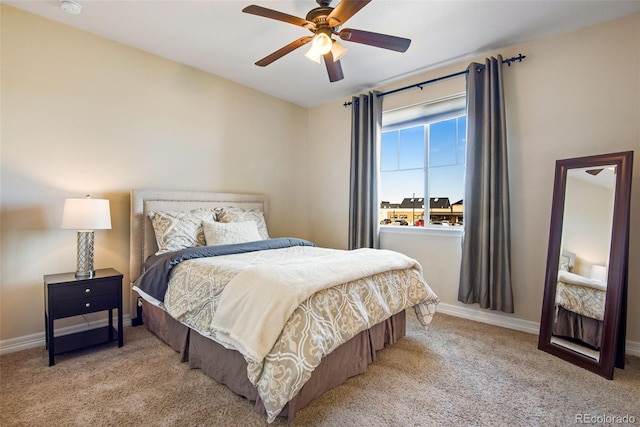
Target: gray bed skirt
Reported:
point(229, 367)
point(579, 328)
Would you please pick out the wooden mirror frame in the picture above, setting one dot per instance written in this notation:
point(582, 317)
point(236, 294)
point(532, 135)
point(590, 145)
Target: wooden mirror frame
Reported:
point(612, 347)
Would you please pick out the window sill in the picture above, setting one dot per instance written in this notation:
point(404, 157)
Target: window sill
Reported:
point(432, 230)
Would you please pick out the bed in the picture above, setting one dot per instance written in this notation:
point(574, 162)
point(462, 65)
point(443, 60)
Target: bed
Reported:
point(278, 320)
point(579, 309)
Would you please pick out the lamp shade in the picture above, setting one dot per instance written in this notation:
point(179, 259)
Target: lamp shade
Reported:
point(321, 42)
point(313, 55)
point(599, 273)
point(337, 50)
point(86, 214)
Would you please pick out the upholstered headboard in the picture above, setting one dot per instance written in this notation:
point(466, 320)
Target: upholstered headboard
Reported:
point(567, 261)
point(142, 241)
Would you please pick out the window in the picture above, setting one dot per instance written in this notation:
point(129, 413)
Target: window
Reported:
point(422, 158)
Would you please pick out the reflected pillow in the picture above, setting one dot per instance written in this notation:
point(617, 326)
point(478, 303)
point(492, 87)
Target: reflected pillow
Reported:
point(232, 214)
point(219, 233)
point(179, 230)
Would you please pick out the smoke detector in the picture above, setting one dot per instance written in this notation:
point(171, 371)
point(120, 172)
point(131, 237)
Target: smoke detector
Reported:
point(70, 6)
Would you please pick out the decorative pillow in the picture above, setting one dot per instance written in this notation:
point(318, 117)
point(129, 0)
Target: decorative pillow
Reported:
point(179, 230)
point(231, 214)
point(219, 233)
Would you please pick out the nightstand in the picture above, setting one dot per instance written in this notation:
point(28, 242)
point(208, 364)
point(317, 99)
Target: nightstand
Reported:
point(66, 296)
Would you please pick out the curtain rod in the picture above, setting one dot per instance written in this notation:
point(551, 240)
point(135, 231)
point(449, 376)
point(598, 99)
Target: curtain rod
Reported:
point(507, 61)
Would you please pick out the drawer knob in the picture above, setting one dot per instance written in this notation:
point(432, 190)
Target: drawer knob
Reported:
point(88, 305)
point(87, 290)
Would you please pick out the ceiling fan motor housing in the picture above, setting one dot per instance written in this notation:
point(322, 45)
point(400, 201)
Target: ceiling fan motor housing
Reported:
point(319, 16)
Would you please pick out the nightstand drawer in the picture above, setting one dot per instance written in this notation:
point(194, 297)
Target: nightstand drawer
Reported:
point(86, 289)
point(74, 307)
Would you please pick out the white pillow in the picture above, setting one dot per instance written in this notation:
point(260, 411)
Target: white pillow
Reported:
point(232, 214)
point(218, 233)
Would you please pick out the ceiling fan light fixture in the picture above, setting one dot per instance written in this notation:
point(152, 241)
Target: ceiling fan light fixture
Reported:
point(325, 22)
point(338, 50)
point(321, 43)
point(313, 55)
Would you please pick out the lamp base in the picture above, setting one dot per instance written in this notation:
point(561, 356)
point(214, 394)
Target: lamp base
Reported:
point(85, 274)
point(85, 255)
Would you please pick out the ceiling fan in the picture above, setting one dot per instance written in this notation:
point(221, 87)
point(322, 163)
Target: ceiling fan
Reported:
point(325, 22)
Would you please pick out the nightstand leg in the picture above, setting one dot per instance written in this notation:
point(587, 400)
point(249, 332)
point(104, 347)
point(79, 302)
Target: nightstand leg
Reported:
point(46, 332)
point(50, 340)
point(120, 330)
point(110, 324)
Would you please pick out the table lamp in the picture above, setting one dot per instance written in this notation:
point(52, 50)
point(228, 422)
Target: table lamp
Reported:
point(86, 215)
point(599, 273)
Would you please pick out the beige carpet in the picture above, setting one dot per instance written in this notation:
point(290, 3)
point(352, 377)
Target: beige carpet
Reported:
point(457, 373)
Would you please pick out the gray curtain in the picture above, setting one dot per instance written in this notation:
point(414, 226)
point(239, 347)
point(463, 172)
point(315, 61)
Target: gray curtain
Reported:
point(366, 123)
point(485, 274)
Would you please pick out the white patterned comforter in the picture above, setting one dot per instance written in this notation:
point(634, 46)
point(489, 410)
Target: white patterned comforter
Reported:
point(581, 295)
point(320, 324)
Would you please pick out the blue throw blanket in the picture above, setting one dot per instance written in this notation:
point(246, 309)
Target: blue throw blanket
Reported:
point(157, 268)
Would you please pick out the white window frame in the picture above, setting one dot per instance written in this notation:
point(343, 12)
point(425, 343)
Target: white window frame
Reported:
point(420, 114)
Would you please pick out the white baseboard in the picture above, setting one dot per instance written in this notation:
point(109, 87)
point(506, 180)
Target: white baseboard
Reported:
point(631, 347)
point(38, 340)
point(490, 318)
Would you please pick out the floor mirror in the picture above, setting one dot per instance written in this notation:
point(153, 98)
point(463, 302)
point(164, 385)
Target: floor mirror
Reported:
point(585, 296)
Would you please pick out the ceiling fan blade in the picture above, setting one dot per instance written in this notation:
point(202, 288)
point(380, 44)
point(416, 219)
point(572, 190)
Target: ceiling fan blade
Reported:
point(399, 44)
point(334, 69)
point(279, 16)
point(283, 51)
point(345, 10)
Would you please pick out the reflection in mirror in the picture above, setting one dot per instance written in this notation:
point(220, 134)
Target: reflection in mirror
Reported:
point(586, 238)
point(584, 309)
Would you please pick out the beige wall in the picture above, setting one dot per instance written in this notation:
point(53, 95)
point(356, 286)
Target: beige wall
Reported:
point(82, 114)
point(576, 94)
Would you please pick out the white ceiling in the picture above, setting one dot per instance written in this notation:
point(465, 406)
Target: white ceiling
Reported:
point(215, 36)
